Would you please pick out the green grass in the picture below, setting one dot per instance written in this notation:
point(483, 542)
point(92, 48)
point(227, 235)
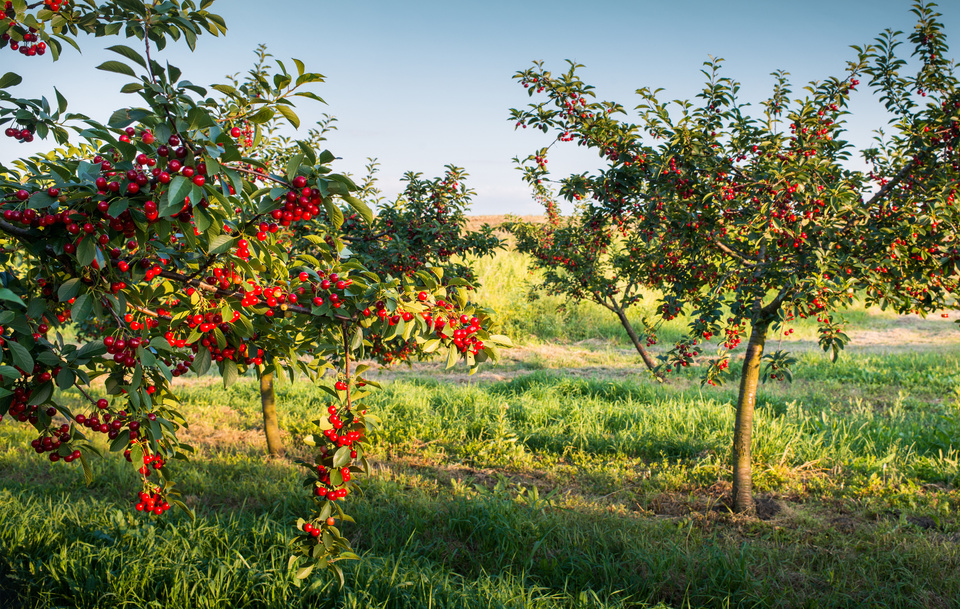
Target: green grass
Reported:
point(528, 314)
point(544, 490)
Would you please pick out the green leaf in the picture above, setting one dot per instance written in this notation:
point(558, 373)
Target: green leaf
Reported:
point(453, 356)
point(128, 53)
point(92, 349)
point(61, 101)
point(179, 189)
point(7, 294)
point(49, 358)
point(201, 363)
point(86, 252)
point(118, 206)
point(131, 87)
point(360, 206)
point(82, 307)
point(333, 213)
point(119, 443)
point(41, 394)
point(230, 372)
point(147, 358)
point(21, 356)
point(183, 506)
point(202, 219)
point(69, 289)
point(174, 73)
point(293, 165)
point(261, 116)
point(87, 471)
point(227, 89)
point(10, 79)
point(221, 243)
point(290, 115)
point(66, 378)
point(341, 457)
point(116, 66)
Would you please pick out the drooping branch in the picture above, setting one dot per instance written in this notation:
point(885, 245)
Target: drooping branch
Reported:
point(206, 287)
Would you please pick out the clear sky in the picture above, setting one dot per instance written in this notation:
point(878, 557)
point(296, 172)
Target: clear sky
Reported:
point(421, 84)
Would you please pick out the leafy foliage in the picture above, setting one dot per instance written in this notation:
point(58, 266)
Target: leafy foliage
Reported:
point(742, 219)
point(170, 225)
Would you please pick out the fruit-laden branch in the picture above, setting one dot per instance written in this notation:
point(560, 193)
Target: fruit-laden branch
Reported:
point(206, 287)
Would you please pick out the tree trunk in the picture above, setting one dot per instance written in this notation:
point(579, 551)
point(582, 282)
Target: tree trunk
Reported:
point(644, 354)
point(268, 403)
point(743, 430)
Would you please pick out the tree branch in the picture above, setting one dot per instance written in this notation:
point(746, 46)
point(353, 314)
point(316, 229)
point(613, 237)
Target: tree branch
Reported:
point(880, 194)
point(732, 252)
point(17, 231)
point(206, 287)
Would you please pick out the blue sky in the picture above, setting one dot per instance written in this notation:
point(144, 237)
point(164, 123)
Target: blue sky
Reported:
point(425, 83)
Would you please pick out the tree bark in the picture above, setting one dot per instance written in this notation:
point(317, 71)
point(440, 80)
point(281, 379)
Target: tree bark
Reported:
point(644, 354)
point(268, 403)
point(743, 430)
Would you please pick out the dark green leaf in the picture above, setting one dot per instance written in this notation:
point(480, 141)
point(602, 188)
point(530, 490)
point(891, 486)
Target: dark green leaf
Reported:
point(82, 307)
point(128, 53)
point(179, 189)
point(230, 373)
point(221, 243)
point(86, 251)
point(10, 79)
point(7, 294)
point(116, 66)
point(21, 356)
point(69, 289)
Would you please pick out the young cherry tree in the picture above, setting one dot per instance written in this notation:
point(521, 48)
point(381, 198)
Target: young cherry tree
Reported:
point(749, 221)
point(160, 224)
point(424, 230)
point(582, 257)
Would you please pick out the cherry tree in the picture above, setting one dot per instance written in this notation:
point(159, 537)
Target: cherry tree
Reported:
point(747, 221)
point(165, 225)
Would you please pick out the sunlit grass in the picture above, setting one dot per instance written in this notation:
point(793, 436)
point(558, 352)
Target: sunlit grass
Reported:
point(544, 490)
point(565, 478)
point(530, 315)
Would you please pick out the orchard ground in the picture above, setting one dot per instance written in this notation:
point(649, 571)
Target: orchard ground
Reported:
point(565, 477)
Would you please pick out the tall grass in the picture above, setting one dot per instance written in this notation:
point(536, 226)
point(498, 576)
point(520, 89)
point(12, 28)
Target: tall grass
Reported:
point(528, 313)
point(542, 491)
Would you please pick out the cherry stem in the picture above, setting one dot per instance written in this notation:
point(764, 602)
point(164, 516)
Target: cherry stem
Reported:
point(346, 359)
point(264, 176)
point(148, 312)
point(85, 394)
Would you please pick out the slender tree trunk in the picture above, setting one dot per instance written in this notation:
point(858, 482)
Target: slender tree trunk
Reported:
point(644, 354)
point(268, 403)
point(743, 430)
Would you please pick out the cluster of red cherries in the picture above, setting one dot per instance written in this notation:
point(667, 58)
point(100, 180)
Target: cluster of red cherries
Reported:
point(21, 135)
point(31, 46)
point(152, 502)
